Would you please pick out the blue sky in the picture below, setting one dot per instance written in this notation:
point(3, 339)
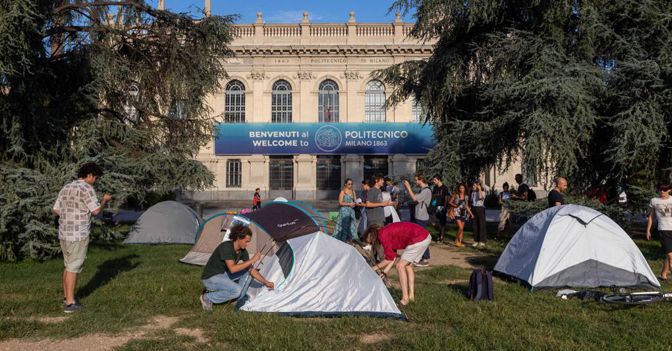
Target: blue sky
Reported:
point(290, 11)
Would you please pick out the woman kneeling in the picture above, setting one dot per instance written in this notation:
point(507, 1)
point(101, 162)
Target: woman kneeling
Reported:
point(411, 238)
point(228, 269)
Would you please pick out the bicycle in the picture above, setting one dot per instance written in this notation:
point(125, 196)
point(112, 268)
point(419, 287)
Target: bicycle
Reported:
point(636, 298)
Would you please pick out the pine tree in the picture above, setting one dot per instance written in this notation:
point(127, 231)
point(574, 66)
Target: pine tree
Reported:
point(580, 88)
point(115, 82)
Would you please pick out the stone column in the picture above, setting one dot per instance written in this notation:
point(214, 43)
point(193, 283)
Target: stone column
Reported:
point(354, 169)
point(206, 8)
point(402, 165)
point(162, 5)
point(304, 183)
point(257, 174)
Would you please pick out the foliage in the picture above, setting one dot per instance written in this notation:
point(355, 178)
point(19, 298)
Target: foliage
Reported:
point(575, 88)
point(115, 82)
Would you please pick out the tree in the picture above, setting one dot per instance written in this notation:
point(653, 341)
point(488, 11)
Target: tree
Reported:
point(581, 88)
point(116, 82)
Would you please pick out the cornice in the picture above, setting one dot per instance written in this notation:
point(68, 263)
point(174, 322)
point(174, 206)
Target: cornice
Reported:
point(259, 50)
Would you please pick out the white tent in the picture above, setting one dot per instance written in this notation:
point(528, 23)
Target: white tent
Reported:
point(168, 222)
point(574, 246)
point(317, 275)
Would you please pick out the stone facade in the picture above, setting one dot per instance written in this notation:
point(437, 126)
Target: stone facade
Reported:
point(305, 55)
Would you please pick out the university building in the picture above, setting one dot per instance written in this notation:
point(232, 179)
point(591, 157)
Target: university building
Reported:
point(301, 111)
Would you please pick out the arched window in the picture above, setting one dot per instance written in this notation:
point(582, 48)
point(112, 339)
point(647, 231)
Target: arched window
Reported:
point(234, 104)
point(374, 102)
point(328, 101)
point(281, 102)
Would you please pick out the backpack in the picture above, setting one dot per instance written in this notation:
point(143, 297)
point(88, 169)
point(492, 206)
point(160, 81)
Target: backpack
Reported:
point(480, 285)
point(431, 207)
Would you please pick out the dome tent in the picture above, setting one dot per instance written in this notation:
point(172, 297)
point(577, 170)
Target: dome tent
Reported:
point(574, 246)
point(168, 222)
point(314, 274)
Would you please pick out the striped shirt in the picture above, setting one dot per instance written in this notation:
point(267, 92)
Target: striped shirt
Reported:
point(75, 203)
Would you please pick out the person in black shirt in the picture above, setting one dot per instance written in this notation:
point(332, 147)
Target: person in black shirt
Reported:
point(228, 269)
point(440, 197)
point(523, 189)
point(555, 197)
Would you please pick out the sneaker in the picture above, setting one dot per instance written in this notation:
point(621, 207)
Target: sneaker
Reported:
point(475, 244)
point(422, 263)
point(73, 307)
point(481, 244)
point(459, 245)
point(205, 303)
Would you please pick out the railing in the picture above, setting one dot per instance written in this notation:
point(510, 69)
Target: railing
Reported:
point(328, 31)
point(323, 30)
point(245, 30)
point(371, 30)
point(282, 31)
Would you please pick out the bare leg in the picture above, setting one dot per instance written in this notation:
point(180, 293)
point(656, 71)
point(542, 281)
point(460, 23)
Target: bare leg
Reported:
point(403, 281)
point(411, 282)
point(65, 292)
point(460, 230)
point(666, 266)
point(70, 283)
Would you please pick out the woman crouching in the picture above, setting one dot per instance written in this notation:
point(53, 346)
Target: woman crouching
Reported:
point(411, 238)
point(228, 269)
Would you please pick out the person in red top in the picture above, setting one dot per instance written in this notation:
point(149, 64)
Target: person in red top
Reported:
point(256, 200)
point(411, 238)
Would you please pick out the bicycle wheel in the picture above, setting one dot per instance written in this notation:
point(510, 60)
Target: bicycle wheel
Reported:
point(634, 298)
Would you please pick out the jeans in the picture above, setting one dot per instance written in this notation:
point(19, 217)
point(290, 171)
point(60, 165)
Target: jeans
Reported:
point(480, 234)
point(225, 286)
point(420, 222)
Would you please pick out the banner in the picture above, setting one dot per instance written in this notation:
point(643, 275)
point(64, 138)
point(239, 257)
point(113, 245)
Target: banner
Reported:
point(323, 138)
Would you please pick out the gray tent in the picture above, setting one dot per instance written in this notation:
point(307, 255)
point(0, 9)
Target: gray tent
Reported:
point(167, 222)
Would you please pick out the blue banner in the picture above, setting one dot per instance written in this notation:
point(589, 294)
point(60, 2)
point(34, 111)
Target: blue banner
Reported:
point(323, 138)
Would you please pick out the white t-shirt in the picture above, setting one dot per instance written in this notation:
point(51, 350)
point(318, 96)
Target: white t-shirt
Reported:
point(663, 210)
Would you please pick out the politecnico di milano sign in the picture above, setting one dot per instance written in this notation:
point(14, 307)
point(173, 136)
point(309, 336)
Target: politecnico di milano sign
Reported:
point(323, 139)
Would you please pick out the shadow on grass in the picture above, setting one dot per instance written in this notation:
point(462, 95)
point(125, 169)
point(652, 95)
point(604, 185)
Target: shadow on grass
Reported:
point(107, 271)
point(487, 262)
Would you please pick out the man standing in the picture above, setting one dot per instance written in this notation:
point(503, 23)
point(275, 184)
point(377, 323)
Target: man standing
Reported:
point(423, 199)
point(523, 189)
point(363, 218)
point(555, 197)
point(375, 212)
point(74, 206)
point(477, 203)
point(440, 197)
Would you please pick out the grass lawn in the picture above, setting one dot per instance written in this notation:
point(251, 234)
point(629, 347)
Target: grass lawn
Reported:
point(125, 287)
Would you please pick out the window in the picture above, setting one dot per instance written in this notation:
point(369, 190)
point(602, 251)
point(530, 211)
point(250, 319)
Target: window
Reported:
point(233, 174)
point(418, 116)
point(374, 102)
point(234, 108)
point(328, 172)
point(420, 165)
point(281, 102)
point(328, 102)
point(281, 172)
point(375, 165)
point(178, 110)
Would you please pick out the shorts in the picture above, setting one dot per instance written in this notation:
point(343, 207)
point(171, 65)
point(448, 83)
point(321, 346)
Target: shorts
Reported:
point(74, 254)
point(413, 253)
point(666, 240)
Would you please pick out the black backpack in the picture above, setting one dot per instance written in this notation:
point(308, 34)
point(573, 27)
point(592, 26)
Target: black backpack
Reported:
point(531, 195)
point(480, 285)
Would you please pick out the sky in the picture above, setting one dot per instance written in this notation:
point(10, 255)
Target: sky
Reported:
point(291, 11)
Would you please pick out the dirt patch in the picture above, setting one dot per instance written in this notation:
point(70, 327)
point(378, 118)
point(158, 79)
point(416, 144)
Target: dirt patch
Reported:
point(51, 320)
point(445, 255)
point(98, 342)
point(453, 281)
point(374, 338)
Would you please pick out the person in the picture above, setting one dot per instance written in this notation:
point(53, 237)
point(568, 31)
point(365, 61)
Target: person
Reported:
point(477, 204)
point(523, 189)
point(75, 204)
point(256, 200)
point(363, 218)
point(459, 211)
point(555, 197)
point(440, 197)
point(504, 196)
point(346, 230)
point(391, 215)
point(423, 199)
point(375, 204)
point(228, 269)
point(661, 207)
point(411, 238)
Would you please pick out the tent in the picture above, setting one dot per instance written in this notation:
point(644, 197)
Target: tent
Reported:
point(166, 222)
point(574, 246)
point(314, 274)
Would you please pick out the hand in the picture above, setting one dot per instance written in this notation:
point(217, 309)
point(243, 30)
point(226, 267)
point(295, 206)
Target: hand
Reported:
point(107, 197)
point(269, 285)
point(393, 203)
point(648, 235)
point(471, 216)
point(382, 275)
point(256, 257)
point(406, 183)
